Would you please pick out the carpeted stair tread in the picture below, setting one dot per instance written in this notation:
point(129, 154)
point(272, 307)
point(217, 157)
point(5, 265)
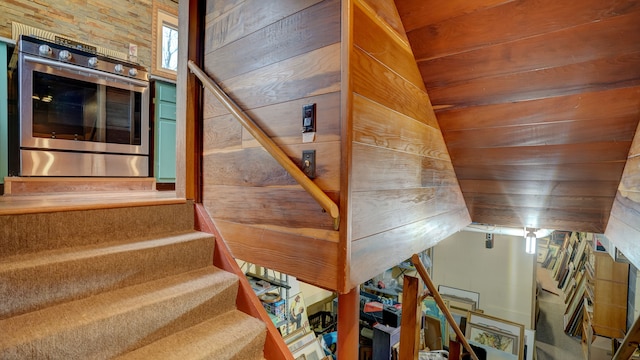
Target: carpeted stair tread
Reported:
point(233, 335)
point(32, 281)
point(121, 320)
point(27, 233)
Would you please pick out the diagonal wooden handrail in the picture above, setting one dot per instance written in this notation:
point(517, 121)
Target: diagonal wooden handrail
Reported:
point(272, 148)
point(436, 295)
point(630, 342)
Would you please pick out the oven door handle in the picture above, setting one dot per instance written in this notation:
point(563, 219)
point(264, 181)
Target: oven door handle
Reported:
point(78, 68)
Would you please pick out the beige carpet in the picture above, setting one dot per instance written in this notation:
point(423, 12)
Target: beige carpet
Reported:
point(134, 282)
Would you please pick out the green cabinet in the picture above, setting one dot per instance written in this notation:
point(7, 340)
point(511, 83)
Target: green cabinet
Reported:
point(165, 133)
point(4, 112)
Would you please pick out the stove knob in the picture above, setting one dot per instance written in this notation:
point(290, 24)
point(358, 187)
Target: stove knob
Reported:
point(44, 50)
point(93, 61)
point(133, 72)
point(119, 68)
point(64, 55)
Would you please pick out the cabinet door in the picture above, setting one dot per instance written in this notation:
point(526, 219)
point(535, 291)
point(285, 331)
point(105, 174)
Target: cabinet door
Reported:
point(165, 133)
point(610, 296)
point(4, 123)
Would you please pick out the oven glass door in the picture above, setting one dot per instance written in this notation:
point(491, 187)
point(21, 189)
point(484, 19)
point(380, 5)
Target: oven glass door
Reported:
point(76, 110)
point(65, 108)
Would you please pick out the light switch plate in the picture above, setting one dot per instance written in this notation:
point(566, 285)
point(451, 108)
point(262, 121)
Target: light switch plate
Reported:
point(309, 118)
point(309, 163)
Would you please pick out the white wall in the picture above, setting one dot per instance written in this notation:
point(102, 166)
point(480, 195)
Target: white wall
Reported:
point(504, 275)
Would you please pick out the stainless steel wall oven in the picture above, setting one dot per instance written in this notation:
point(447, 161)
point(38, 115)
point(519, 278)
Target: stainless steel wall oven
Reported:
point(80, 113)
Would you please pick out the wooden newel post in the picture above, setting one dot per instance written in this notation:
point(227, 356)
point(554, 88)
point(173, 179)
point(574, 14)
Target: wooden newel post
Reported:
point(411, 318)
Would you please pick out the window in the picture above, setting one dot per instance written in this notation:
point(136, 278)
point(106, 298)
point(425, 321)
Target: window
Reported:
point(169, 58)
point(165, 42)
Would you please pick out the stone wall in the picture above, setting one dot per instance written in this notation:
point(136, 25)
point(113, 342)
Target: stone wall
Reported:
point(111, 24)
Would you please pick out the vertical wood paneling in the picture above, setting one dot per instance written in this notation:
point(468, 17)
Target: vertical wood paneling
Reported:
point(376, 253)
point(378, 125)
point(314, 73)
point(310, 256)
point(623, 228)
point(404, 193)
point(273, 57)
point(266, 46)
point(394, 51)
point(230, 20)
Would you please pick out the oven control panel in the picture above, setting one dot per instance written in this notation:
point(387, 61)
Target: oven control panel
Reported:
point(81, 56)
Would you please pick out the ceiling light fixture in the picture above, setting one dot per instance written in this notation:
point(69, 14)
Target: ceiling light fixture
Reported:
point(530, 241)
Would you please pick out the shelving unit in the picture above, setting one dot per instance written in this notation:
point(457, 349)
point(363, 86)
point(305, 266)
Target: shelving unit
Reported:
point(605, 298)
point(264, 283)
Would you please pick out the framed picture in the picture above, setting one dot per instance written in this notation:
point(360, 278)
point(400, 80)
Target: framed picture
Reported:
point(462, 295)
point(310, 351)
point(432, 333)
point(498, 325)
point(296, 315)
point(460, 316)
point(458, 303)
point(301, 341)
point(493, 337)
point(290, 338)
point(430, 308)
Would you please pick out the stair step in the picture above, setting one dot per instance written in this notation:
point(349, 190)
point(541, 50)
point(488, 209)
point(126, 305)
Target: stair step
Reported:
point(33, 281)
point(119, 321)
point(233, 335)
point(26, 233)
point(54, 185)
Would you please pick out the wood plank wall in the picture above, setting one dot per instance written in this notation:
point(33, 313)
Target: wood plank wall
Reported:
point(404, 194)
point(272, 57)
point(623, 228)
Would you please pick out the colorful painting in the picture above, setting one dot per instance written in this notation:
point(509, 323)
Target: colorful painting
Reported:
point(493, 338)
point(296, 316)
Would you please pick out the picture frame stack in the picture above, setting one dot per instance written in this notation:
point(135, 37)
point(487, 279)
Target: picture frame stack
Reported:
point(503, 338)
point(304, 345)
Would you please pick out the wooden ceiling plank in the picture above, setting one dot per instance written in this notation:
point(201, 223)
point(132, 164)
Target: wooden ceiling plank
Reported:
point(583, 106)
point(601, 74)
point(619, 129)
point(575, 203)
point(586, 42)
point(418, 13)
point(511, 21)
point(609, 171)
point(582, 187)
point(539, 218)
point(538, 155)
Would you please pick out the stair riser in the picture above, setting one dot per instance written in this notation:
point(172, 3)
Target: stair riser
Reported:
point(25, 233)
point(31, 288)
point(116, 333)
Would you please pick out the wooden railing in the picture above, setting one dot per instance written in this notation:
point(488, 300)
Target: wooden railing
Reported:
point(410, 329)
point(630, 343)
point(246, 301)
point(272, 148)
